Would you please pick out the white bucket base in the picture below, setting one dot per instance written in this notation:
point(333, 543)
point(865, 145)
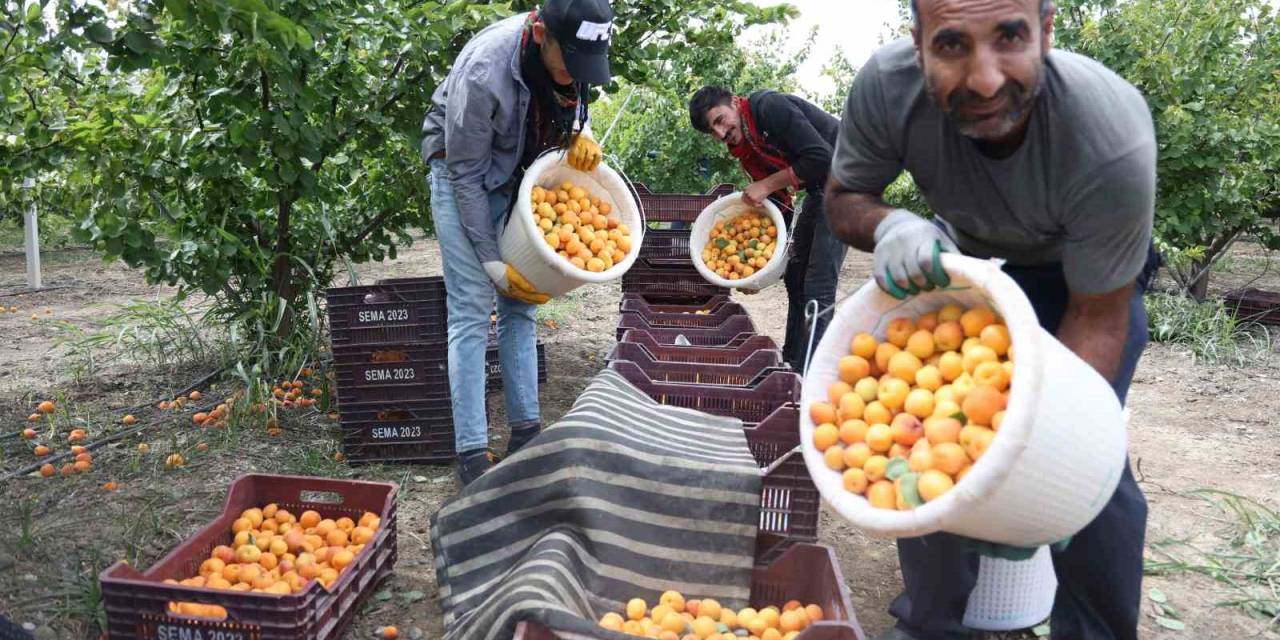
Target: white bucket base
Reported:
point(1012, 594)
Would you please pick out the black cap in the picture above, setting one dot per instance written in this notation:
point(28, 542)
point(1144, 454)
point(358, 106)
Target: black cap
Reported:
point(582, 28)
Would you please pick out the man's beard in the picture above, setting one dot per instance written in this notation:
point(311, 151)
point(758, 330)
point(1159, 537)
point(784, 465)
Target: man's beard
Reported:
point(1018, 100)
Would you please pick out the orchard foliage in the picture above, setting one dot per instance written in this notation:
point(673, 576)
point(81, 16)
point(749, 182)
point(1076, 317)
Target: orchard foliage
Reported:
point(248, 148)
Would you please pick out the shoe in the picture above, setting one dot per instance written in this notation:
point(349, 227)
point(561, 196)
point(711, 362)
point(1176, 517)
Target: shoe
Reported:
point(472, 466)
point(522, 437)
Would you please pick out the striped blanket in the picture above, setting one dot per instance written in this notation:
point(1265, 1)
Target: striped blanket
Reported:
point(621, 498)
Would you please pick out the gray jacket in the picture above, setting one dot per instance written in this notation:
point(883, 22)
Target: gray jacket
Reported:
point(477, 118)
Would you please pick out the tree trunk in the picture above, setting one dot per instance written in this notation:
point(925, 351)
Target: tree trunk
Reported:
point(282, 281)
point(1199, 288)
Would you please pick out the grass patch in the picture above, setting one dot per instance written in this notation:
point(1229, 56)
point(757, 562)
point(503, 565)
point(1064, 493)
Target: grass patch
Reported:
point(1246, 562)
point(1208, 329)
point(557, 310)
point(159, 334)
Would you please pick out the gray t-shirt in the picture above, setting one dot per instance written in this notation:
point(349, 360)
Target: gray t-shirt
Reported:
point(1080, 190)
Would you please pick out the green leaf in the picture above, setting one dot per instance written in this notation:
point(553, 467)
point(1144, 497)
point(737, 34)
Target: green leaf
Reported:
point(1157, 595)
point(383, 596)
point(412, 596)
point(909, 489)
point(897, 468)
point(99, 33)
point(1041, 631)
point(1170, 623)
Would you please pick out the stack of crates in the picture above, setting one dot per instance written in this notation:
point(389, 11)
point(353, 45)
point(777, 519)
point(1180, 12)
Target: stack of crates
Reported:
point(685, 343)
point(391, 357)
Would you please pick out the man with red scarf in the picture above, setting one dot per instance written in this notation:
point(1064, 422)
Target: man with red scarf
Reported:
point(785, 144)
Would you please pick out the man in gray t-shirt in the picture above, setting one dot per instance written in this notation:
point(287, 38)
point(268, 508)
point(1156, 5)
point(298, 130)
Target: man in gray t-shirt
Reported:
point(1045, 159)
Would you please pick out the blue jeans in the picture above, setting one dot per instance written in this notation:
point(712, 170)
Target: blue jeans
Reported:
point(812, 274)
point(1100, 571)
point(470, 302)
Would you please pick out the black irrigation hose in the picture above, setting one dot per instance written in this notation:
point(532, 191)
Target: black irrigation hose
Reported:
point(113, 437)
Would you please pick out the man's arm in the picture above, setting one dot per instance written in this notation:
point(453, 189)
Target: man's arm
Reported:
point(469, 116)
point(761, 189)
point(854, 215)
point(1095, 327)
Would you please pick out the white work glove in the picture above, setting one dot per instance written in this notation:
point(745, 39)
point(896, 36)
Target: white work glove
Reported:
point(512, 284)
point(907, 254)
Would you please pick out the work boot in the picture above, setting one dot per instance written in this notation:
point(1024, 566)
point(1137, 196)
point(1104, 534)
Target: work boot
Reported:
point(521, 435)
point(472, 464)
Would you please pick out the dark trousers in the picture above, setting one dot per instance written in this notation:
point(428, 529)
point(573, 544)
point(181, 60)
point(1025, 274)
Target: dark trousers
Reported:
point(1100, 571)
point(812, 273)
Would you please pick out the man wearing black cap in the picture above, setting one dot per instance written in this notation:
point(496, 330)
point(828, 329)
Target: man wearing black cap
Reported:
point(517, 89)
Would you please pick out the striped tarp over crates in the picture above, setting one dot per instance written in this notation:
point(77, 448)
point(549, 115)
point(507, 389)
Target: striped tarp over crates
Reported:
point(621, 498)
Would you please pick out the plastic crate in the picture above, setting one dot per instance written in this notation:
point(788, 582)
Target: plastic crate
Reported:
point(669, 282)
point(640, 303)
point(805, 572)
point(745, 374)
point(400, 432)
point(731, 332)
point(136, 603)
point(387, 373)
point(695, 328)
point(1255, 305)
point(401, 372)
point(684, 317)
point(735, 354)
point(403, 310)
point(677, 207)
point(666, 247)
point(751, 405)
point(789, 501)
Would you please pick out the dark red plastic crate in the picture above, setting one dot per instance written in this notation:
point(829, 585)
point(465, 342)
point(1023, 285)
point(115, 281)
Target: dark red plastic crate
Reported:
point(136, 604)
point(809, 573)
point(404, 372)
point(1255, 305)
point(685, 317)
point(734, 354)
point(669, 282)
point(789, 501)
point(639, 303)
point(745, 374)
point(399, 432)
point(677, 207)
point(697, 329)
point(405, 310)
point(751, 405)
point(728, 333)
point(666, 247)
point(382, 373)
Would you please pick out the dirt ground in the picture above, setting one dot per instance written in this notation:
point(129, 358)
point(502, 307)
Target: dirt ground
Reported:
point(1195, 426)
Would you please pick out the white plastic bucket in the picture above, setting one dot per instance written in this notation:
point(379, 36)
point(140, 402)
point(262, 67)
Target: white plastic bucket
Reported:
point(1059, 453)
point(522, 243)
point(1012, 594)
point(723, 209)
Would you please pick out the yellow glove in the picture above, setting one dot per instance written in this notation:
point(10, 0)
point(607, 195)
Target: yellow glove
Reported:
point(584, 151)
point(511, 283)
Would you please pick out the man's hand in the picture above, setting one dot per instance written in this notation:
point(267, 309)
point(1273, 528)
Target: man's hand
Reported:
point(512, 284)
point(584, 151)
point(907, 254)
point(757, 193)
